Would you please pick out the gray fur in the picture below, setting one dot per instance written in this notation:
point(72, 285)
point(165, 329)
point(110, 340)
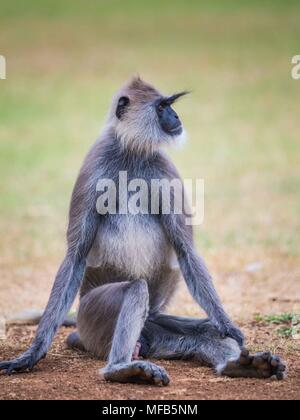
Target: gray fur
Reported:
point(128, 266)
point(172, 337)
point(141, 372)
point(124, 307)
point(131, 319)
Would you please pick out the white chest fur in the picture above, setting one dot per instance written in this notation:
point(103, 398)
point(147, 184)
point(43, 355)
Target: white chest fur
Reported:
point(133, 246)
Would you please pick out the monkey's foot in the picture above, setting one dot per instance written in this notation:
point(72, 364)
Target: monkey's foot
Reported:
point(259, 365)
point(136, 372)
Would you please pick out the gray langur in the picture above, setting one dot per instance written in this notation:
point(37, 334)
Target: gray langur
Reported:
point(127, 266)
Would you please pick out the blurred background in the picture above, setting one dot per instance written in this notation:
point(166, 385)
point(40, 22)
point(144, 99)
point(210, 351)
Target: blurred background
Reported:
point(65, 59)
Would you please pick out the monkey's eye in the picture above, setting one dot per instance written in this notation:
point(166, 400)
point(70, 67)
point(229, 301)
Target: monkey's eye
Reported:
point(160, 108)
point(123, 101)
point(122, 104)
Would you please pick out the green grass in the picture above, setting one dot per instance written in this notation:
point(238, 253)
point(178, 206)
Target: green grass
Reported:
point(283, 318)
point(64, 61)
point(288, 323)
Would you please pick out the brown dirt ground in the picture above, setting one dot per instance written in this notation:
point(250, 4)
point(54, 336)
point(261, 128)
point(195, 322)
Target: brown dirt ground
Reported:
point(69, 375)
point(66, 374)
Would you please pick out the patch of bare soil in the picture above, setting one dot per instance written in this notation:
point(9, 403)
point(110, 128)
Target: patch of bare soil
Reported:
point(270, 289)
point(66, 374)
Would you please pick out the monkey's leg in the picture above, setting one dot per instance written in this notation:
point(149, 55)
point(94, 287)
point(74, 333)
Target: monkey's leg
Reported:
point(183, 338)
point(132, 316)
point(110, 320)
point(74, 342)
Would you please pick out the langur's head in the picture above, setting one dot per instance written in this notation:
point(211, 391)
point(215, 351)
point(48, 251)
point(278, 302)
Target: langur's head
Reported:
point(144, 119)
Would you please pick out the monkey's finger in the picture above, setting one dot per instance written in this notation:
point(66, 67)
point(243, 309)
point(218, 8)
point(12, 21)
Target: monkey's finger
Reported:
point(157, 379)
point(275, 361)
point(281, 376)
point(281, 367)
point(135, 370)
point(8, 367)
point(166, 380)
point(21, 364)
point(266, 355)
point(245, 361)
point(161, 378)
point(258, 361)
point(245, 352)
point(147, 372)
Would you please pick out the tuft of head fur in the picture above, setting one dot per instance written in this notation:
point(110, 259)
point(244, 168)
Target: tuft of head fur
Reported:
point(139, 130)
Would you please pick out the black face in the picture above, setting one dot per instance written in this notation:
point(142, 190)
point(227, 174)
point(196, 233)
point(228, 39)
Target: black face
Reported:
point(168, 119)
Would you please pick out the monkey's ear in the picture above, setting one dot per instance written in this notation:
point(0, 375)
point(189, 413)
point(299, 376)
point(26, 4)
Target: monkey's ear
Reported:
point(123, 102)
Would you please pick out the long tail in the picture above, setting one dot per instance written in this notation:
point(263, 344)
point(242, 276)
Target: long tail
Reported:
point(31, 317)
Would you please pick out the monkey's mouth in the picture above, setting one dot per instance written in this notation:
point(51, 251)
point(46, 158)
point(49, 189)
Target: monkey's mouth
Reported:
point(176, 130)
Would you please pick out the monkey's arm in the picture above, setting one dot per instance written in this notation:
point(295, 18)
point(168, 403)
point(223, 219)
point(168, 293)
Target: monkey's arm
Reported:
point(81, 232)
point(197, 277)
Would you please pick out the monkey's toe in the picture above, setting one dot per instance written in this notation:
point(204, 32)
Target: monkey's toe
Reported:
point(279, 368)
point(260, 365)
point(136, 372)
point(269, 366)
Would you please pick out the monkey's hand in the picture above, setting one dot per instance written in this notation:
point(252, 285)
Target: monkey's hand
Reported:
point(228, 329)
point(25, 362)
